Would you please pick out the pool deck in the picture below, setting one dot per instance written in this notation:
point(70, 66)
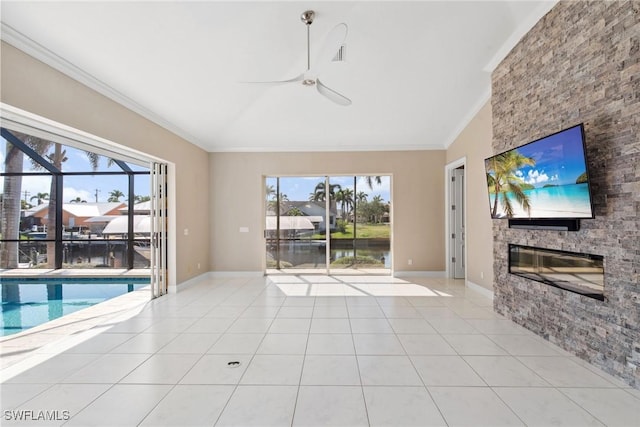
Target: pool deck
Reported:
point(41, 341)
point(20, 351)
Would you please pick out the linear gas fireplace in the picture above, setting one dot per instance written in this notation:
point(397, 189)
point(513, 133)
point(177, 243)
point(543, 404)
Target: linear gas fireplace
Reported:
point(574, 272)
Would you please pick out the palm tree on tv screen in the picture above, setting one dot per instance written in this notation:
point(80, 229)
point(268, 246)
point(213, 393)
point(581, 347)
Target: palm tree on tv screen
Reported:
point(502, 180)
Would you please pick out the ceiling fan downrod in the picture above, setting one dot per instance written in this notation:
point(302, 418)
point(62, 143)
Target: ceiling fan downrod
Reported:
point(307, 19)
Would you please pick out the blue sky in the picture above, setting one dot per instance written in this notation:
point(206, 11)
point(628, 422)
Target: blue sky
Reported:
point(559, 159)
point(299, 188)
point(296, 188)
point(78, 186)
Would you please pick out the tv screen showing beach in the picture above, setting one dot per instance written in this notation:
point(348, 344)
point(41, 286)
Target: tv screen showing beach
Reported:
point(546, 178)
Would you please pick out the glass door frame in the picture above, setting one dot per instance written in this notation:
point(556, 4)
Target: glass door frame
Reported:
point(327, 239)
point(278, 229)
point(159, 283)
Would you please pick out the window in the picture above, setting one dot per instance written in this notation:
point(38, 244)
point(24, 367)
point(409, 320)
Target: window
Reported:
point(65, 207)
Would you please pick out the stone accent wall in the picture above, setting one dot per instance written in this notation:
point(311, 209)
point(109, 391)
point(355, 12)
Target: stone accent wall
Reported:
point(580, 63)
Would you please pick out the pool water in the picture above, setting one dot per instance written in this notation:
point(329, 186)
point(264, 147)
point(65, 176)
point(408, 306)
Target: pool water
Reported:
point(30, 302)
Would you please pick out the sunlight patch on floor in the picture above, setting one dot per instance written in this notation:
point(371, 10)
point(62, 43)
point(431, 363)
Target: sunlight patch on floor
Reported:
point(377, 286)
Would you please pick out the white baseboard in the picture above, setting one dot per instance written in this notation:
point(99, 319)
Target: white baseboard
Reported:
point(437, 274)
point(227, 274)
point(187, 283)
point(480, 289)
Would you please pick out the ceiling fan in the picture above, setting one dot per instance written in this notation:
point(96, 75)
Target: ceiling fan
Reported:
point(309, 78)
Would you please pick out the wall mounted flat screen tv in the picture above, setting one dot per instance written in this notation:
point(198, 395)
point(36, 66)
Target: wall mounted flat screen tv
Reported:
point(544, 179)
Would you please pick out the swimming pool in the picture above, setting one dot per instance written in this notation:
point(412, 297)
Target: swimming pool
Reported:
point(30, 302)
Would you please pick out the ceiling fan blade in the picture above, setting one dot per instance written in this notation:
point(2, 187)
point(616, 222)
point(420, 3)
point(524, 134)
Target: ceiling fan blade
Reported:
point(332, 94)
point(332, 44)
point(279, 82)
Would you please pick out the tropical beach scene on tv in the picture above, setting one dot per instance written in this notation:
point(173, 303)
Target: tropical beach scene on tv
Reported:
point(543, 179)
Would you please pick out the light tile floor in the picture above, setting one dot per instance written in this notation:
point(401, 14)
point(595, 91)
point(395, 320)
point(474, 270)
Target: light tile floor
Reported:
point(318, 350)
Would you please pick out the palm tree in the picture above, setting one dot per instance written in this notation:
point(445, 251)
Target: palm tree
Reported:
point(273, 203)
point(270, 191)
point(361, 197)
point(11, 204)
point(295, 211)
point(319, 194)
point(345, 197)
point(114, 196)
point(13, 187)
point(40, 197)
point(11, 214)
point(140, 199)
point(77, 200)
point(502, 180)
point(371, 179)
point(377, 208)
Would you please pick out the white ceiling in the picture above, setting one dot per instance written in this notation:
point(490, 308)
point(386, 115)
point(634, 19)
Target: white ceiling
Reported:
point(416, 71)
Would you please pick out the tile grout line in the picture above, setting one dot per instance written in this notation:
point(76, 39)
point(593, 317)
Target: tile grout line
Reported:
point(355, 355)
point(304, 359)
point(235, 386)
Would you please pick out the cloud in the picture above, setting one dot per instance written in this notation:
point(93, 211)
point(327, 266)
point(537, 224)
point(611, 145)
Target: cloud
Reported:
point(70, 193)
point(536, 177)
point(32, 185)
point(519, 173)
point(363, 186)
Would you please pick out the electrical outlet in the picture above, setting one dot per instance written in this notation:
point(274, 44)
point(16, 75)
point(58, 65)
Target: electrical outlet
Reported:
point(482, 274)
point(410, 261)
point(186, 231)
point(198, 266)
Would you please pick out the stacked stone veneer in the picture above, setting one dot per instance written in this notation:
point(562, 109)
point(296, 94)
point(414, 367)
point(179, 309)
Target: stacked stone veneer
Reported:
point(580, 63)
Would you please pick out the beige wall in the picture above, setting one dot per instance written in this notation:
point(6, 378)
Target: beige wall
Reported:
point(236, 185)
point(474, 143)
point(39, 89)
point(234, 198)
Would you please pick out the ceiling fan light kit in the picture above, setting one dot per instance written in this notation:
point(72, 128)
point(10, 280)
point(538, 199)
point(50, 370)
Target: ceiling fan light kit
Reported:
point(334, 45)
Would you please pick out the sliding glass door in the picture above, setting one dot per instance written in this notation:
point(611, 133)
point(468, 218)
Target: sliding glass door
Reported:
point(158, 229)
point(296, 223)
point(361, 241)
point(337, 224)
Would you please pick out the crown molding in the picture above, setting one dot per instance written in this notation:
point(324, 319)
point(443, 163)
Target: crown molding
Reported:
point(341, 148)
point(42, 54)
point(471, 113)
point(518, 33)
point(515, 37)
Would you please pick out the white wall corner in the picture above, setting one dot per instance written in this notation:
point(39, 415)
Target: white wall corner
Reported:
point(480, 289)
point(188, 283)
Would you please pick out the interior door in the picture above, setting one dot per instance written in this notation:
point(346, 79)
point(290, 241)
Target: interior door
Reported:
point(458, 226)
point(158, 226)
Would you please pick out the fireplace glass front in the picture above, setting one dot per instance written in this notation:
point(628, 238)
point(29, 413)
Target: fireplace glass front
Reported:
point(574, 272)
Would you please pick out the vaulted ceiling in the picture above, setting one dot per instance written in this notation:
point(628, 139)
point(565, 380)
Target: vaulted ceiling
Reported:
point(416, 71)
